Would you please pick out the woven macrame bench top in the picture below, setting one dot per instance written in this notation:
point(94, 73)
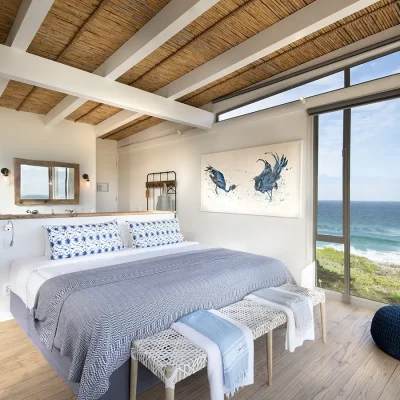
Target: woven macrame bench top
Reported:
point(170, 349)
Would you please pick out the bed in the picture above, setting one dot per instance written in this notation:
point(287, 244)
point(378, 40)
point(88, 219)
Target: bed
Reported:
point(109, 299)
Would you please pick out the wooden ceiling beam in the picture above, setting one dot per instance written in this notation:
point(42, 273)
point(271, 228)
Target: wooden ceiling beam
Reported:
point(175, 16)
point(33, 70)
point(300, 24)
point(27, 22)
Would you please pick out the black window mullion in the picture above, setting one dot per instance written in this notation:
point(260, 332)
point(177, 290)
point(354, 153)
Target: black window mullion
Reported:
point(330, 239)
point(347, 82)
point(346, 197)
point(315, 208)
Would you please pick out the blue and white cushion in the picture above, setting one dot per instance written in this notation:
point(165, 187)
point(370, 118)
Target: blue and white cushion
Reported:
point(154, 233)
point(67, 241)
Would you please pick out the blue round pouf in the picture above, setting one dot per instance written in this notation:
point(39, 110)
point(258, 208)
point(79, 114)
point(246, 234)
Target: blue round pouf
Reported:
point(385, 330)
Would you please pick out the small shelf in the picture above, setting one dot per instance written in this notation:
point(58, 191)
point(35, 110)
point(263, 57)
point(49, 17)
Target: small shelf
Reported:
point(160, 184)
point(4, 217)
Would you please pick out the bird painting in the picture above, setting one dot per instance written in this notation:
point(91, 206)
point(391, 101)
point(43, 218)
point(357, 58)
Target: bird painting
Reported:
point(262, 180)
point(267, 181)
point(217, 177)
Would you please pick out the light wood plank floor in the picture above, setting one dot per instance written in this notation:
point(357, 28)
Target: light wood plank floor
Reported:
point(348, 367)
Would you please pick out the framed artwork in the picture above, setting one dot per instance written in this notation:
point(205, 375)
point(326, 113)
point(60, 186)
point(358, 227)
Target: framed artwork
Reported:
point(263, 180)
point(102, 187)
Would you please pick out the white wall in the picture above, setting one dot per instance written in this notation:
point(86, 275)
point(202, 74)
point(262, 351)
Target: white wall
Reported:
point(287, 239)
point(107, 172)
point(23, 135)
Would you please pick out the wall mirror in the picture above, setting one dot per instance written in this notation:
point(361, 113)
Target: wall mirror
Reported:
point(45, 182)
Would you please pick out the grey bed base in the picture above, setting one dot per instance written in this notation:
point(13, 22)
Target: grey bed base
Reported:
point(119, 380)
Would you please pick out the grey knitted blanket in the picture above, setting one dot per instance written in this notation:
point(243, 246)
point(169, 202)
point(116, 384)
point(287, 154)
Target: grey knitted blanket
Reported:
point(92, 316)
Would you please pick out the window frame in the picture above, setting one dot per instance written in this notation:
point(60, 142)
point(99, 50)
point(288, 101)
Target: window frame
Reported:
point(346, 71)
point(346, 197)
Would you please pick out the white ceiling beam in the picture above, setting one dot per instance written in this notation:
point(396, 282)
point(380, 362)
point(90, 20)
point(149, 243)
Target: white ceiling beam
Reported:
point(306, 21)
point(174, 17)
point(38, 71)
point(117, 120)
point(29, 18)
point(27, 22)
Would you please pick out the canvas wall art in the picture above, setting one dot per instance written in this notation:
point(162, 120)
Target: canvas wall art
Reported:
point(263, 180)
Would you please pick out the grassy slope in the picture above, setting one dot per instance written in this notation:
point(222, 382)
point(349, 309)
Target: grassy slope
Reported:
point(371, 280)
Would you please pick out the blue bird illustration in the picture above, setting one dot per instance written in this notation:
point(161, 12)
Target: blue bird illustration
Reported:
point(267, 181)
point(218, 178)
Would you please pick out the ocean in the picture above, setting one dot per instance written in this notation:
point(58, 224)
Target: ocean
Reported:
point(374, 228)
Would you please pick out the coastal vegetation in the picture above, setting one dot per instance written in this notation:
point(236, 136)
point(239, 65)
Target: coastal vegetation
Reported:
point(368, 279)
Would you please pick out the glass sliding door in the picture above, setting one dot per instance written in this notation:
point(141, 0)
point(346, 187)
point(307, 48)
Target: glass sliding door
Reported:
point(375, 202)
point(358, 201)
point(330, 240)
point(330, 266)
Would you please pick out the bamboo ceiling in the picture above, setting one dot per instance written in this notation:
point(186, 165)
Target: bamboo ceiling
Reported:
point(84, 33)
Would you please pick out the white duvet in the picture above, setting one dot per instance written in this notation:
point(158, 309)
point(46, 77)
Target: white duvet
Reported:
point(27, 275)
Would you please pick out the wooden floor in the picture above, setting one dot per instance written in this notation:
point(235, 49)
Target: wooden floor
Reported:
point(349, 366)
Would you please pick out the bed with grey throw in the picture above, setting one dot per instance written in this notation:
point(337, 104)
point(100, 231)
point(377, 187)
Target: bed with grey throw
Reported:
point(92, 316)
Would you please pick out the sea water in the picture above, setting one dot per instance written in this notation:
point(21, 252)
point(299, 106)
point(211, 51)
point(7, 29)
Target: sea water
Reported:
point(374, 228)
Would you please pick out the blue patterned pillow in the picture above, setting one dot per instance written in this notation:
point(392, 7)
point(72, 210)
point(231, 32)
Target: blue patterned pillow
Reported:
point(67, 241)
point(155, 233)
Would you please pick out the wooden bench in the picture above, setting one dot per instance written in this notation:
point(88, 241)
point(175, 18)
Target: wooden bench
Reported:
point(173, 358)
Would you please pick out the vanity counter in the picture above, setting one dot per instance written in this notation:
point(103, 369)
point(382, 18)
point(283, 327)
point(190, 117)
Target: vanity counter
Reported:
point(74, 215)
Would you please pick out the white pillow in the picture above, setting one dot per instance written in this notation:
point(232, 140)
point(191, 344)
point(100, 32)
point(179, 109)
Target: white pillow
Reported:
point(67, 241)
point(123, 230)
point(155, 233)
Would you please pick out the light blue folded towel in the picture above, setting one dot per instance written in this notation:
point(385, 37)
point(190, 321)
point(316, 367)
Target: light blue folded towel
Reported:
point(231, 342)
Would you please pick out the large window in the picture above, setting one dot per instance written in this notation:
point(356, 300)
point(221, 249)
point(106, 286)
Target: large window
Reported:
point(323, 85)
point(358, 235)
point(375, 202)
point(375, 69)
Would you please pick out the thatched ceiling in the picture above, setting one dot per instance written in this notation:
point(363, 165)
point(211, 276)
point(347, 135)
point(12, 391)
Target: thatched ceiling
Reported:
point(84, 33)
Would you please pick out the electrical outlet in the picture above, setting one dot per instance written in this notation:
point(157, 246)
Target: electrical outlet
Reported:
point(6, 289)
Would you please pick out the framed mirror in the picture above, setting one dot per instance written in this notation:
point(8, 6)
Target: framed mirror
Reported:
point(45, 182)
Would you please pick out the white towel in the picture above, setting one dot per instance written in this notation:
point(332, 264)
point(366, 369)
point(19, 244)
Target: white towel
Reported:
point(214, 362)
point(293, 339)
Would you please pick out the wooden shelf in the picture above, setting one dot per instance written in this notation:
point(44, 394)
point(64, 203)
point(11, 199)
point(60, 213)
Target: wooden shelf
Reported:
point(75, 215)
point(160, 184)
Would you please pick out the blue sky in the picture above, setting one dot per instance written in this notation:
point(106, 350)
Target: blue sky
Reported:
point(375, 147)
point(375, 167)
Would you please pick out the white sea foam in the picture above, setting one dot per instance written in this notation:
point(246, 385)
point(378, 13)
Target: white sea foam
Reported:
point(373, 255)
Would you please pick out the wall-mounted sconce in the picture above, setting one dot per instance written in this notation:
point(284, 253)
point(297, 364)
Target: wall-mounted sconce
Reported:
point(86, 178)
point(6, 175)
point(303, 100)
point(9, 227)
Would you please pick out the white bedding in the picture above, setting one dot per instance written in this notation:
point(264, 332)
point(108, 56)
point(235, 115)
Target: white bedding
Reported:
point(27, 275)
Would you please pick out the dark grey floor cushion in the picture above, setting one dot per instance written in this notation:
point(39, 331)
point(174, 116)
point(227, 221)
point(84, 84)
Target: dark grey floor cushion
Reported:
point(385, 330)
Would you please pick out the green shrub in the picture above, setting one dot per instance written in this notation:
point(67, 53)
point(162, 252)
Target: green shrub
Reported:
point(368, 279)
